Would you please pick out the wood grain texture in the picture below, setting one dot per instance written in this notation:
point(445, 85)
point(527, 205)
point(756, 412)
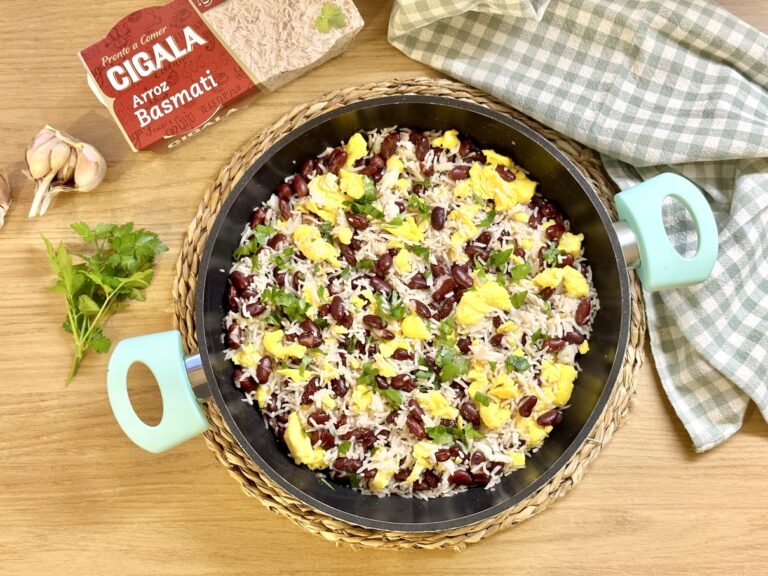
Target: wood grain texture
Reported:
point(76, 497)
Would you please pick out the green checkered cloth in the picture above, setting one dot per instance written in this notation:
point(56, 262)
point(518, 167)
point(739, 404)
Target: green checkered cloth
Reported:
point(654, 86)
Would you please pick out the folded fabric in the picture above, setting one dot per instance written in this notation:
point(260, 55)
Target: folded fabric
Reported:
point(654, 86)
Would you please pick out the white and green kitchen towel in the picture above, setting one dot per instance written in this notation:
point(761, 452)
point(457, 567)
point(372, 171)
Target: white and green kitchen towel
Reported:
point(653, 85)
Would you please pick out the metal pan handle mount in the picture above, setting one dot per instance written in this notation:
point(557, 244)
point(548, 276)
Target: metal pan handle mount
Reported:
point(644, 239)
point(181, 384)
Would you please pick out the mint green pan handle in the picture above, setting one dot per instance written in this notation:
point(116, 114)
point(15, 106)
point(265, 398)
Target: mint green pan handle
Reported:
point(163, 354)
point(660, 266)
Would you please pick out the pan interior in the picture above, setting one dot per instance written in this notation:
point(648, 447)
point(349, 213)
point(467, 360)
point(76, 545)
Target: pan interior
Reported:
point(559, 180)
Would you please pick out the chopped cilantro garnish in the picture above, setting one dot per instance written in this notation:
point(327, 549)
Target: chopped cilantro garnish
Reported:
point(354, 481)
point(365, 264)
point(500, 258)
point(445, 332)
point(518, 298)
point(515, 363)
point(352, 345)
point(364, 204)
point(395, 222)
point(394, 397)
point(281, 259)
point(305, 362)
point(261, 234)
point(416, 203)
point(488, 220)
point(394, 308)
point(441, 434)
point(420, 251)
point(520, 271)
point(368, 375)
point(483, 399)
point(291, 306)
point(472, 433)
point(538, 335)
point(548, 308)
point(426, 183)
point(452, 364)
point(551, 254)
point(344, 447)
point(325, 229)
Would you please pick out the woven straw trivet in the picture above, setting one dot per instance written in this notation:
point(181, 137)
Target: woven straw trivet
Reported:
point(229, 453)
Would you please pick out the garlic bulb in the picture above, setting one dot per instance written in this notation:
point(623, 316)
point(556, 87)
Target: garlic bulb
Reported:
point(60, 163)
point(5, 196)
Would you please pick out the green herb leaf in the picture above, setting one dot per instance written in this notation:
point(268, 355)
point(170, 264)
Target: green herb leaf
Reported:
point(520, 271)
point(548, 308)
point(483, 399)
point(538, 336)
point(330, 16)
point(288, 304)
point(515, 363)
point(518, 298)
point(344, 447)
point(440, 434)
point(354, 481)
point(261, 235)
point(423, 374)
point(325, 230)
point(551, 254)
point(365, 264)
point(499, 258)
point(426, 183)
point(416, 203)
point(445, 332)
point(394, 397)
point(117, 268)
point(364, 204)
point(368, 375)
point(282, 259)
point(488, 220)
point(420, 251)
point(472, 433)
point(452, 364)
point(395, 222)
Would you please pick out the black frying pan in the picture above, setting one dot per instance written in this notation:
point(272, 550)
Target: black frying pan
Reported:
point(610, 248)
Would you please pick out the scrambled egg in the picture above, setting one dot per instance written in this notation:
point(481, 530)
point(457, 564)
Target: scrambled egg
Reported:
point(273, 344)
point(506, 328)
point(395, 164)
point(361, 398)
point(381, 480)
point(504, 387)
point(300, 445)
point(436, 405)
point(495, 158)
point(575, 283)
point(422, 452)
point(584, 347)
point(344, 234)
point(448, 140)
point(533, 433)
point(388, 347)
point(493, 415)
point(517, 459)
point(384, 367)
point(311, 244)
point(402, 262)
point(246, 356)
point(262, 395)
point(356, 148)
point(464, 219)
point(403, 184)
point(571, 243)
point(414, 327)
point(325, 198)
point(295, 374)
point(521, 217)
point(549, 278)
point(351, 184)
point(476, 304)
point(487, 182)
point(560, 377)
point(463, 189)
point(407, 230)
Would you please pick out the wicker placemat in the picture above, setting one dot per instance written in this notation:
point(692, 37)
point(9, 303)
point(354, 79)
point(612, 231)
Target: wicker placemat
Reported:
point(229, 453)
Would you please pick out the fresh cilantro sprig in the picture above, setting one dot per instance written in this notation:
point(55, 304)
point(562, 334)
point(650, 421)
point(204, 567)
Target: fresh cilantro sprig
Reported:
point(289, 304)
point(518, 298)
point(417, 204)
point(515, 363)
point(261, 234)
point(499, 258)
point(447, 434)
point(551, 254)
point(330, 16)
point(452, 364)
point(364, 204)
point(118, 269)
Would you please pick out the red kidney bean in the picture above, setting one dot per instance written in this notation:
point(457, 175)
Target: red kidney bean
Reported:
point(484, 238)
point(248, 385)
point(554, 344)
point(385, 335)
point(497, 340)
point(461, 275)
point(312, 335)
point(526, 405)
point(284, 191)
point(496, 321)
point(377, 161)
point(232, 298)
point(239, 280)
point(534, 220)
point(336, 160)
point(458, 173)
point(442, 455)
point(358, 221)
point(364, 436)
point(324, 310)
point(279, 278)
point(339, 387)
point(383, 264)
point(550, 418)
point(421, 309)
point(417, 282)
point(574, 337)
point(439, 270)
point(546, 293)
point(461, 478)
point(430, 360)
point(382, 382)
point(370, 171)
point(307, 167)
point(284, 208)
point(445, 287)
point(299, 185)
point(582, 311)
point(420, 144)
point(259, 216)
point(401, 475)
point(380, 285)
point(373, 321)
point(322, 438)
point(282, 418)
point(554, 231)
point(431, 479)
point(337, 308)
point(505, 173)
point(400, 205)
point(347, 464)
point(466, 147)
point(416, 428)
point(401, 354)
point(469, 412)
point(347, 320)
point(309, 390)
point(480, 478)
point(296, 278)
point(473, 250)
point(318, 417)
point(519, 252)
point(233, 336)
point(403, 382)
point(564, 261)
point(348, 254)
point(437, 218)
point(417, 189)
point(389, 145)
point(356, 244)
point(464, 344)
point(248, 294)
point(445, 308)
point(276, 240)
point(427, 169)
point(391, 417)
point(547, 210)
point(415, 410)
point(370, 473)
point(476, 458)
point(255, 309)
point(264, 369)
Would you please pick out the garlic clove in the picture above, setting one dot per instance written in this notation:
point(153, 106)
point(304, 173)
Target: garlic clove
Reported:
point(5, 196)
point(68, 170)
point(39, 157)
point(60, 156)
point(90, 170)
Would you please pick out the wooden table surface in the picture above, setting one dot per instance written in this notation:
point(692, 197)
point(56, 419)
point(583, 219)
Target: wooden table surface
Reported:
point(76, 497)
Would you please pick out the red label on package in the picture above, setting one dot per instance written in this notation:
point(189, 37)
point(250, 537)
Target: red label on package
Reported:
point(164, 73)
point(205, 5)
